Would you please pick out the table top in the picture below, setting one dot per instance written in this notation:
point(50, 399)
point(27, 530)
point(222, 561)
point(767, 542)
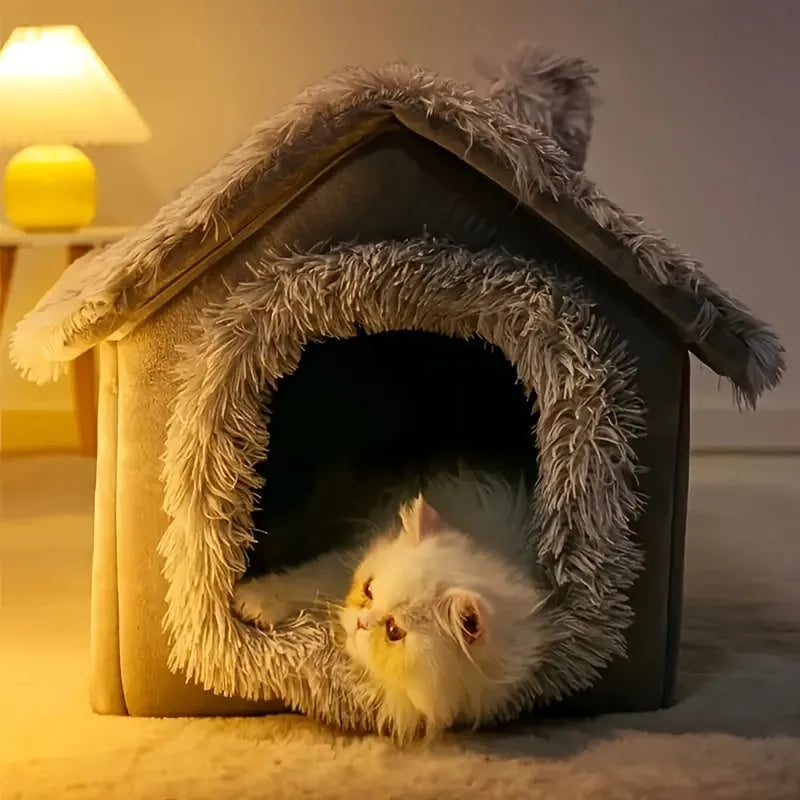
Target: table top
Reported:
point(13, 237)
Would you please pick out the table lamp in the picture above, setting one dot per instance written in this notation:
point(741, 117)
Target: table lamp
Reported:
point(55, 93)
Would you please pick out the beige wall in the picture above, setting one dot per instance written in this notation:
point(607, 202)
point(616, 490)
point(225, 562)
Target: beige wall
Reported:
point(697, 130)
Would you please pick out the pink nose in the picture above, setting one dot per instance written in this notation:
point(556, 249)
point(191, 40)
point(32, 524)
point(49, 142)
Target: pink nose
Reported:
point(360, 626)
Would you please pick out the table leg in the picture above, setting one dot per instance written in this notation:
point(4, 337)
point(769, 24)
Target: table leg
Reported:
point(8, 256)
point(84, 397)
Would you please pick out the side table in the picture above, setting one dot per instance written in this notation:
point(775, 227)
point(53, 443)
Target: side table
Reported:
point(75, 244)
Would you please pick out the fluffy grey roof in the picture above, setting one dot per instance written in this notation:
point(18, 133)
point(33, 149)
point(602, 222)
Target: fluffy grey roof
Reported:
point(528, 133)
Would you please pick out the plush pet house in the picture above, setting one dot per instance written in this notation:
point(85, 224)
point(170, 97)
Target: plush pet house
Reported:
point(396, 270)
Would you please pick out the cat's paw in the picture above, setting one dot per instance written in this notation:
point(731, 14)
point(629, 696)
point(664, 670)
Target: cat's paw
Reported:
point(259, 601)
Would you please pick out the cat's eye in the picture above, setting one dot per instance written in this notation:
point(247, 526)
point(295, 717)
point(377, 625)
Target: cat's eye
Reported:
point(471, 626)
point(394, 633)
point(368, 589)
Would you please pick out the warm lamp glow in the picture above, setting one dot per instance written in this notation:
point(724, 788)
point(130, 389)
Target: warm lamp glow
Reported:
point(54, 89)
point(55, 92)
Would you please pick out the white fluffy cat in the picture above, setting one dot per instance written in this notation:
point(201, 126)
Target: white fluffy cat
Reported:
point(444, 623)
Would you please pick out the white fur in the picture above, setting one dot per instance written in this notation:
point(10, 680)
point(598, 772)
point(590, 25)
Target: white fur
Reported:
point(276, 597)
point(427, 575)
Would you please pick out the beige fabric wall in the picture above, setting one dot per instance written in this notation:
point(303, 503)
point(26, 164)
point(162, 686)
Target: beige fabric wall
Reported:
point(696, 130)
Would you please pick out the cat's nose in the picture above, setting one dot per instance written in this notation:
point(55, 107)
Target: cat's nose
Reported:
point(360, 624)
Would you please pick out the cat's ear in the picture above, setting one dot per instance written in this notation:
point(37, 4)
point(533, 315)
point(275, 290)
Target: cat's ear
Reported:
point(463, 615)
point(420, 520)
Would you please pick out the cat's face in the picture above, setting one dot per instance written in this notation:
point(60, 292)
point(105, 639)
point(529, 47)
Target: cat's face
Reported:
point(422, 616)
point(396, 620)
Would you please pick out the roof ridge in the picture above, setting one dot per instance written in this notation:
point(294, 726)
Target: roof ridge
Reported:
point(98, 292)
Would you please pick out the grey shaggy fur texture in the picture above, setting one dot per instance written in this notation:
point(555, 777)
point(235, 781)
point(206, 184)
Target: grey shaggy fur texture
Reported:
point(536, 120)
point(552, 93)
point(218, 434)
point(534, 96)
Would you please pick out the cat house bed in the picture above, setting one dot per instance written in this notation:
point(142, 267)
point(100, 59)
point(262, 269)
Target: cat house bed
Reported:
point(394, 269)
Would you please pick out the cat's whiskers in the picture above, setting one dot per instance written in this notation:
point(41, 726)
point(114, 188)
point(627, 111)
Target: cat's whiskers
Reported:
point(332, 607)
point(451, 661)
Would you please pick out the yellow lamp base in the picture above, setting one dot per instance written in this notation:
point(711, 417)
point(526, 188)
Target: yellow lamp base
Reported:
point(50, 187)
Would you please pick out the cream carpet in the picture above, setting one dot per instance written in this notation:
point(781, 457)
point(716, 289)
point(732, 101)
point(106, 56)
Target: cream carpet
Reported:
point(734, 735)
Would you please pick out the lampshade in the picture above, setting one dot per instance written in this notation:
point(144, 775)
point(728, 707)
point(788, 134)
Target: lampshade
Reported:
point(55, 89)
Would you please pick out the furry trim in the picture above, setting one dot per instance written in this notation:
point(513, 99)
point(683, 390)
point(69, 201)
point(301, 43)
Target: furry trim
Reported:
point(583, 504)
point(99, 292)
point(552, 93)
